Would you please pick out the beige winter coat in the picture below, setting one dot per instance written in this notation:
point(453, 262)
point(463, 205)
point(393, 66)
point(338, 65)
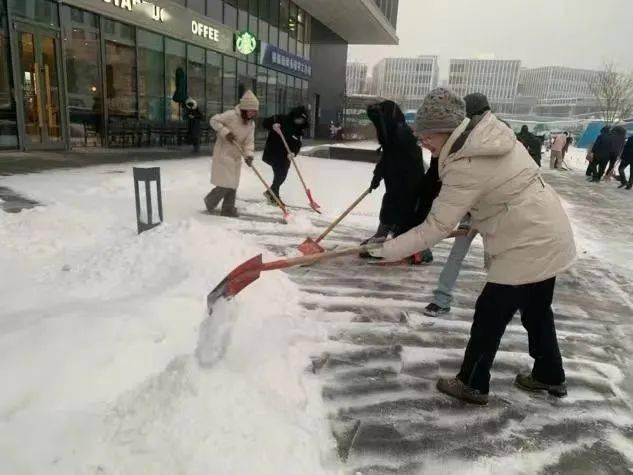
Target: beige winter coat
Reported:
point(527, 234)
point(226, 163)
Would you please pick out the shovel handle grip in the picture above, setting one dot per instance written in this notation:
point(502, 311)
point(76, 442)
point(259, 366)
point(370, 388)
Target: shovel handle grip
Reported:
point(342, 216)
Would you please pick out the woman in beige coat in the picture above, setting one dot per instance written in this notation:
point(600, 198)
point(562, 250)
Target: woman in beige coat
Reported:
point(235, 130)
point(527, 237)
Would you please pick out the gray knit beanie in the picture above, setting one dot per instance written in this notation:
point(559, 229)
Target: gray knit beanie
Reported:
point(441, 111)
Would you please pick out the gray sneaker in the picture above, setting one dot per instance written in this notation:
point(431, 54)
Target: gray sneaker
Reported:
point(455, 388)
point(528, 383)
point(434, 310)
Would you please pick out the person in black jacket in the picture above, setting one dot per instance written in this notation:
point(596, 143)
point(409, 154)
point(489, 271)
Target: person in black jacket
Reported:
point(194, 123)
point(618, 139)
point(401, 168)
point(292, 126)
point(627, 161)
point(601, 152)
point(532, 144)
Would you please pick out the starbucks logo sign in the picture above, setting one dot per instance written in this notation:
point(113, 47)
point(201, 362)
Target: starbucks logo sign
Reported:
point(245, 42)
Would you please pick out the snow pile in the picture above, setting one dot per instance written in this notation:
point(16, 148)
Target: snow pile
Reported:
point(99, 330)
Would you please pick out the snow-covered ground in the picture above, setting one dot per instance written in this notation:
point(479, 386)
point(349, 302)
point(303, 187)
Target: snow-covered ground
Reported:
point(100, 328)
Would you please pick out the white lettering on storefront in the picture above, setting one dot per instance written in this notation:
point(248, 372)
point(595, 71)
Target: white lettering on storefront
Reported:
point(158, 13)
point(205, 31)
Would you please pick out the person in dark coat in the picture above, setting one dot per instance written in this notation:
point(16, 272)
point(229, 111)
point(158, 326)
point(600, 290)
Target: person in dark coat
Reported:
point(627, 161)
point(618, 139)
point(401, 168)
point(600, 153)
point(531, 143)
point(292, 125)
point(194, 123)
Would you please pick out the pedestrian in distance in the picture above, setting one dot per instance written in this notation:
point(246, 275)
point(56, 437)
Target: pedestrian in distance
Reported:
point(527, 236)
point(599, 151)
point(194, 123)
point(292, 126)
point(626, 161)
point(476, 106)
point(531, 143)
point(618, 139)
point(556, 151)
point(235, 131)
point(402, 169)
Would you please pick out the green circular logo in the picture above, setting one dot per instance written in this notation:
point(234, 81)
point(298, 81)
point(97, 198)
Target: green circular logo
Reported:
point(245, 42)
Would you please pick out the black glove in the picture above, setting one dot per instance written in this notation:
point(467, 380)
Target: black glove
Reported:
point(249, 161)
point(375, 182)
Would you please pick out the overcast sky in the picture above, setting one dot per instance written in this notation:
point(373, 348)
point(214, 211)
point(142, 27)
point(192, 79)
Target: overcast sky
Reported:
point(576, 33)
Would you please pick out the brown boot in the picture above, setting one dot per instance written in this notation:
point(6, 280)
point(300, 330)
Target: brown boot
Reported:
point(528, 383)
point(455, 388)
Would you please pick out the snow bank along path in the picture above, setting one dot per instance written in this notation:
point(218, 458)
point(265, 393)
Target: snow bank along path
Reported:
point(99, 326)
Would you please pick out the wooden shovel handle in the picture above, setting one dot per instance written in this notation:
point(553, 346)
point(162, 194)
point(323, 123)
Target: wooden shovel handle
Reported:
point(262, 179)
point(342, 216)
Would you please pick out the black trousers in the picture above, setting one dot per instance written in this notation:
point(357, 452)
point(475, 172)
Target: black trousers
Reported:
point(280, 171)
point(600, 168)
point(495, 307)
point(591, 168)
point(621, 170)
point(220, 194)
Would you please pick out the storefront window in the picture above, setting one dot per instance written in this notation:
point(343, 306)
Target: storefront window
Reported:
point(196, 77)
point(214, 10)
point(273, 36)
point(262, 79)
point(8, 122)
point(151, 63)
point(292, 21)
point(244, 82)
point(121, 86)
point(196, 5)
point(85, 103)
point(176, 93)
point(242, 19)
point(252, 17)
point(281, 93)
point(229, 85)
point(271, 93)
point(42, 11)
point(230, 13)
point(214, 83)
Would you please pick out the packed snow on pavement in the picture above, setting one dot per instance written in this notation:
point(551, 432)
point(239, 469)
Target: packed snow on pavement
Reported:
point(100, 329)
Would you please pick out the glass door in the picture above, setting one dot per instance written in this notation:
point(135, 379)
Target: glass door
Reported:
point(38, 74)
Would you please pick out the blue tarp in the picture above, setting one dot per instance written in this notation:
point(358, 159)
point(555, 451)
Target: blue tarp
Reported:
point(592, 131)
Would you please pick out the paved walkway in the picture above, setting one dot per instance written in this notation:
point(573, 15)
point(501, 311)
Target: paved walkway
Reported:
point(383, 359)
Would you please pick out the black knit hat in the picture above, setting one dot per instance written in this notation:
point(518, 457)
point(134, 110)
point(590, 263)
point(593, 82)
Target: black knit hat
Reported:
point(476, 104)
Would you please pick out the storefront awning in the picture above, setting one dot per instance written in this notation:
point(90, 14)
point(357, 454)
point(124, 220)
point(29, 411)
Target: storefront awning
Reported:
point(356, 21)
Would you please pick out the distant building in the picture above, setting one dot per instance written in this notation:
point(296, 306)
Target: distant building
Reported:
point(559, 91)
point(356, 78)
point(496, 78)
point(405, 80)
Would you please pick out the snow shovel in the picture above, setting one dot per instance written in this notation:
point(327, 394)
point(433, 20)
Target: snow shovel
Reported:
point(263, 180)
point(313, 204)
point(248, 272)
point(310, 246)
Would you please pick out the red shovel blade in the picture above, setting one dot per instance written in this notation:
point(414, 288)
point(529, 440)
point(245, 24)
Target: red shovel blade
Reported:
point(310, 247)
point(313, 204)
point(238, 279)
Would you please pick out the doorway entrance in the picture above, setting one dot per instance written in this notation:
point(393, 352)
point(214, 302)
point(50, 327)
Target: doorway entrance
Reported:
point(39, 87)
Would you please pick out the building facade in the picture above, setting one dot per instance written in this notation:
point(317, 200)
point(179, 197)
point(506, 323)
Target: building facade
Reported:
point(405, 80)
point(94, 72)
point(497, 79)
point(559, 91)
point(356, 78)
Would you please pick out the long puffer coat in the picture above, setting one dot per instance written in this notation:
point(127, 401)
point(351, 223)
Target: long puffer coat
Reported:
point(527, 234)
point(400, 166)
point(275, 153)
point(226, 163)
